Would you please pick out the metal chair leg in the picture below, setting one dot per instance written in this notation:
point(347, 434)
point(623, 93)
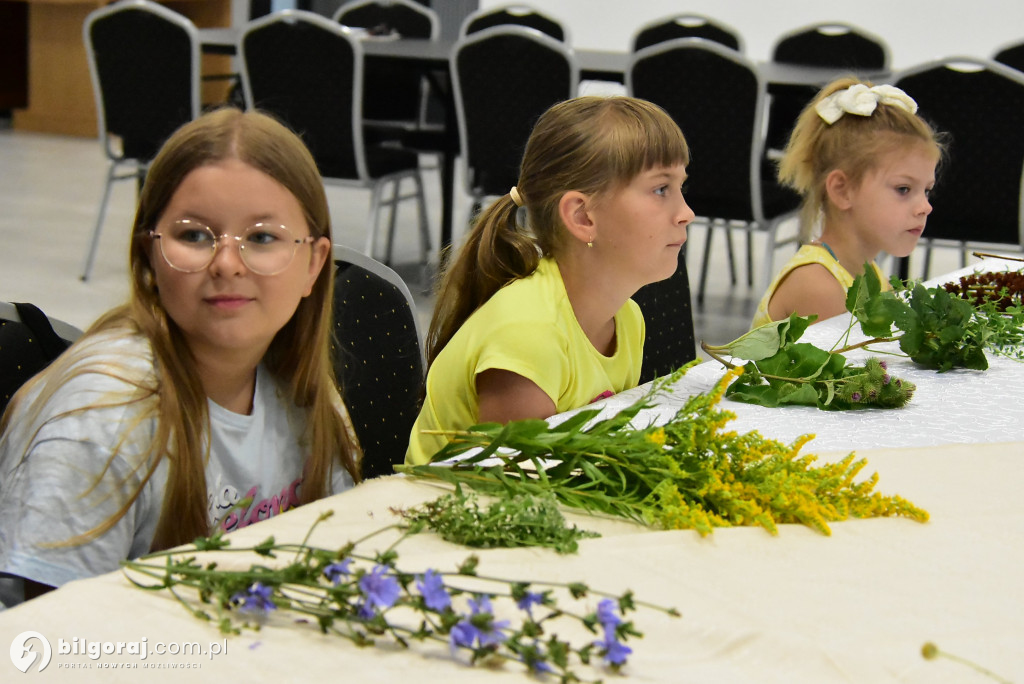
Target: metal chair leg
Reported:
point(704, 267)
point(373, 219)
point(90, 256)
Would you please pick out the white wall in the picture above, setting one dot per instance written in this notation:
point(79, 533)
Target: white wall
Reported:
point(916, 30)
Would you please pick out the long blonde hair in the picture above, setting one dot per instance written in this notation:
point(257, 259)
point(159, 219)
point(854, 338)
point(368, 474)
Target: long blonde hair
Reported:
point(174, 395)
point(590, 144)
point(852, 144)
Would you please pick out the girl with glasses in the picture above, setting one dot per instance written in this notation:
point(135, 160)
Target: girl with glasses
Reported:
point(209, 399)
point(534, 315)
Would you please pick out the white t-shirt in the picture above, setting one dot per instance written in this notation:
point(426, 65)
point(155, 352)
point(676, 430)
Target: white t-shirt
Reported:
point(53, 495)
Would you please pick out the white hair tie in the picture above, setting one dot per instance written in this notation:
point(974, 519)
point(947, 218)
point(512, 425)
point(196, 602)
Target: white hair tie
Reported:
point(862, 101)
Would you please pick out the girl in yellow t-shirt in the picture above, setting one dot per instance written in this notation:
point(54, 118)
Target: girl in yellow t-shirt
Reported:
point(533, 316)
point(865, 164)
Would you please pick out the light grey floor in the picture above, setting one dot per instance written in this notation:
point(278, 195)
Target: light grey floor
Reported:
point(50, 190)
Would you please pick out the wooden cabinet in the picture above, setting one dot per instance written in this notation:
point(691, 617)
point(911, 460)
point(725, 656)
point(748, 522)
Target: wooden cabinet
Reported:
point(60, 95)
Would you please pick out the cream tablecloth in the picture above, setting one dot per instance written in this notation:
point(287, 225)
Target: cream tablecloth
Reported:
point(799, 607)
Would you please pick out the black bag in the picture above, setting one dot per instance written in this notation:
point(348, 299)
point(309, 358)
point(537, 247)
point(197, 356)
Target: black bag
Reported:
point(26, 347)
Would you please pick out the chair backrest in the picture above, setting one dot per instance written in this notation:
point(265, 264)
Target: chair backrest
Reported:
point(392, 91)
point(385, 17)
point(668, 318)
point(29, 342)
point(504, 78)
point(716, 96)
point(144, 60)
point(687, 25)
point(378, 357)
point(832, 44)
point(515, 15)
point(307, 70)
point(1011, 55)
point(979, 104)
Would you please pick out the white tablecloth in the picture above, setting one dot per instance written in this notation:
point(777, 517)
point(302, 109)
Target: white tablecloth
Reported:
point(958, 406)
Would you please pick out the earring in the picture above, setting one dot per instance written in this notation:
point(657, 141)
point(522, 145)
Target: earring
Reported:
point(590, 242)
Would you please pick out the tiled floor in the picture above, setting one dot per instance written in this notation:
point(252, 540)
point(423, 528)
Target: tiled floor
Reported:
point(50, 189)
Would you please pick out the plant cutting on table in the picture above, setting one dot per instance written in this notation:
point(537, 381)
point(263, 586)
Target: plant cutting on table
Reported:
point(939, 327)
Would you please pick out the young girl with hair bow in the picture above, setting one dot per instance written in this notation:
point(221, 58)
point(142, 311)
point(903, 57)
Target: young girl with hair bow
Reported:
point(865, 163)
point(534, 315)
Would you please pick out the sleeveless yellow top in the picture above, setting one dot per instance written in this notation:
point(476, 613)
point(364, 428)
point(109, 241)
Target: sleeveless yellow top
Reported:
point(808, 254)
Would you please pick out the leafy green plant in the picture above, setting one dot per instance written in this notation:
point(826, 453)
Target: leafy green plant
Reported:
point(518, 520)
point(780, 371)
point(938, 327)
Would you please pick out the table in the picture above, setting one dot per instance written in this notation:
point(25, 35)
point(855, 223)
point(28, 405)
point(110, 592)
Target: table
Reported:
point(60, 94)
point(957, 407)
point(798, 608)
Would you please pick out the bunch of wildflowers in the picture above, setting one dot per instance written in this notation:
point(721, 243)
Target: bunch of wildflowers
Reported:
point(689, 473)
point(369, 598)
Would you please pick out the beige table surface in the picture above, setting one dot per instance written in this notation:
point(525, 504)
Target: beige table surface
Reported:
point(797, 607)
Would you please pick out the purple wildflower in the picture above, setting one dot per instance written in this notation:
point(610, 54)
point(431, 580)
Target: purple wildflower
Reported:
point(479, 626)
point(606, 614)
point(855, 396)
point(886, 379)
point(529, 600)
point(613, 650)
point(380, 589)
point(255, 599)
point(432, 589)
point(336, 571)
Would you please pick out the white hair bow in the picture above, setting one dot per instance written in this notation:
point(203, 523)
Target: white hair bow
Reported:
point(862, 101)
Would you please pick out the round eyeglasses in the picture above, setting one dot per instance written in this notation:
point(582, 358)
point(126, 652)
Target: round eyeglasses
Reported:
point(266, 248)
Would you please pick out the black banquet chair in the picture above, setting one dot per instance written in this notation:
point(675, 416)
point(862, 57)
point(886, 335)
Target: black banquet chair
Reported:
point(687, 25)
point(394, 94)
point(668, 318)
point(308, 71)
point(979, 105)
point(716, 96)
point(29, 342)
point(378, 358)
point(515, 15)
point(1012, 55)
point(504, 78)
point(144, 62)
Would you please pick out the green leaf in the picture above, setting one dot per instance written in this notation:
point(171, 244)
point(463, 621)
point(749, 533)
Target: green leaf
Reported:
point(766, 340)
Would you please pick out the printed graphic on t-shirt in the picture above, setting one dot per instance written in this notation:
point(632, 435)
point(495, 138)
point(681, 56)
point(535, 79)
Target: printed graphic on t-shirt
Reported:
point(230, 511)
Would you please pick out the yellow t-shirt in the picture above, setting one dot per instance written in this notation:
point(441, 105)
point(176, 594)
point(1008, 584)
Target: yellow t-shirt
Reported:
point(808, 254)
point(529, 328)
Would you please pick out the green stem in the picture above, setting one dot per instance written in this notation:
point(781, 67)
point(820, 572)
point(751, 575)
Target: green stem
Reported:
point(707, 350)
point(865, 343)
